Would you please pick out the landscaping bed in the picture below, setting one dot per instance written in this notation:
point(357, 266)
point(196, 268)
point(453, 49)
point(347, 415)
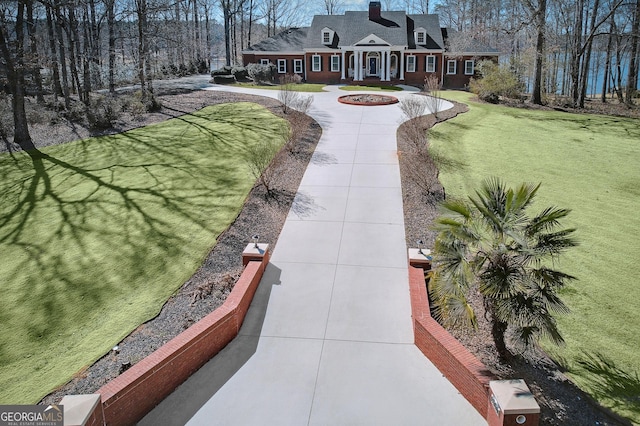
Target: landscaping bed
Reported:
point(561, 401)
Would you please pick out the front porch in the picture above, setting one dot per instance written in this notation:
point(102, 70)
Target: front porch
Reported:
point(379, 63)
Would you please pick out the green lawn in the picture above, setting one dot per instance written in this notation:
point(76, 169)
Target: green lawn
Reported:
point(302, 87)
point(96, 236)
point(371, 88)
point(590, 164)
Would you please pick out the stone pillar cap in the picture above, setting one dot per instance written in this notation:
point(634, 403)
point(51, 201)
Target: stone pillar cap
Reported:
point(514, 396)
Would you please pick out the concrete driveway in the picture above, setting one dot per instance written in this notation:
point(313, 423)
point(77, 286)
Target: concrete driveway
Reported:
point(328, 339)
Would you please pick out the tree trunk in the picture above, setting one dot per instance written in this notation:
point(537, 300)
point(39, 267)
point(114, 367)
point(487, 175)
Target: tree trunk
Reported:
point(63, 55)
point(111, 22)
point(632, 79)
point(541, 21)
point(55, 72)
point(576, 55)
point(226, 14)
point(586, 62)
point(250, 23)
point(15, 78)
point(498, 330)
point(607, 64)
point(35, 65)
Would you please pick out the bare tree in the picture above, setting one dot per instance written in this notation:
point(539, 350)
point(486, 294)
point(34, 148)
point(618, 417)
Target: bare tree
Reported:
point(432, 86)
point(14, 62)
point(632, 79)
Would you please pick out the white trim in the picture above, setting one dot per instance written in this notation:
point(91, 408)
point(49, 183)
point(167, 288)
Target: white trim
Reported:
point(435, 61)
point(296, 63)
point(424, 37)
point(313, 63)
point(372, 39)
point(411, 64)
point(282, 66)
point(455, 67)
point(264, 61)
point(335, 69)
point(473, 65)
point(326, 31)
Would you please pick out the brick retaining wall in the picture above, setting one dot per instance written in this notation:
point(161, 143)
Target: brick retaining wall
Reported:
point(134, 393)
point(454, 361)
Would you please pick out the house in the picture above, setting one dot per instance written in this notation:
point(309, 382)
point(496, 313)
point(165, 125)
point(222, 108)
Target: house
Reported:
point(381, 46)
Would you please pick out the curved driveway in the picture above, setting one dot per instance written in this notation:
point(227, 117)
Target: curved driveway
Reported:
point(328, 339)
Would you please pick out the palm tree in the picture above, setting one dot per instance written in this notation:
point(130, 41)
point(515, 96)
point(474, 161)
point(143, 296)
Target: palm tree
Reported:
point(492, 246)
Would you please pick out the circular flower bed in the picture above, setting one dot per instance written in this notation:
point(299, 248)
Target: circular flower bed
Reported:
point(368, 99)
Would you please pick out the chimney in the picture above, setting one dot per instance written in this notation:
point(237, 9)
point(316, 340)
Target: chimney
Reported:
point(374, 10)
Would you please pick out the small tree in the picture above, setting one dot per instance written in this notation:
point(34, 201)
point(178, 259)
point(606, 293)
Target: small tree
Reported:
point(262, 159)
point(497, 80)
point(287, 93)
point(435, 102)
point(492, 246)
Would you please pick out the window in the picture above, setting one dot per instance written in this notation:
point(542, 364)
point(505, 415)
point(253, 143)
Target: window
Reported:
point(297, 66)
point(335, 63)
point(420, 37)
point(468, 67)
point(282, 66)
point(431, 64)
point(451, 67)
point(326, 37)
point(411, 64)
point(264, 62)
point(316, 63)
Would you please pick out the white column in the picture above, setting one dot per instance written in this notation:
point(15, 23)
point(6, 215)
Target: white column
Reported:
point(382, 65)
point(401, 65)
point(356, 65)
point(360, 74)
point(388, 54)
point(343, 65)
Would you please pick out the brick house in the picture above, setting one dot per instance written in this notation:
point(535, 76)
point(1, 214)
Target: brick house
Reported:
point(380, 46)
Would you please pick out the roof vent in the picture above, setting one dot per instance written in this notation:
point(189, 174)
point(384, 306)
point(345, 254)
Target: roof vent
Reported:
point(374, 10)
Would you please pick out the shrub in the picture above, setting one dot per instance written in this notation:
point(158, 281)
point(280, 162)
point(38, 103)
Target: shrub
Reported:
point(102, 112)
point(497, 80)
point(413, 106)
point(240, 73)
point(303, 103)
point(224, 79)
point(260, 73)
point(137, 109)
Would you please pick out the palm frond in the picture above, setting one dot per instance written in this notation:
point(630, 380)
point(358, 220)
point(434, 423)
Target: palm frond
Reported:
point(546, 220)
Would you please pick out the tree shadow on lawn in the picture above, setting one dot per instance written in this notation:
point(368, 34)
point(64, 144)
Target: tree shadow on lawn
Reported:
point(125, 206)
point(609, 382)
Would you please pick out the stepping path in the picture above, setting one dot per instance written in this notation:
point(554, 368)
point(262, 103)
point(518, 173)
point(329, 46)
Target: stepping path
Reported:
point(328, 339)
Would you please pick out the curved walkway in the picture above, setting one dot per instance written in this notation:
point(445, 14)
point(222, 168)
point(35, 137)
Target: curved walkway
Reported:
point(328, 339)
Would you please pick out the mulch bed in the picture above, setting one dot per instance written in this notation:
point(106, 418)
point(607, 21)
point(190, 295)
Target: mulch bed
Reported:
point(561, 401)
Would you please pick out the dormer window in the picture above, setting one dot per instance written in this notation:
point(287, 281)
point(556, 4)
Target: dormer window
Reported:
point(421, 37)
point(327, 36)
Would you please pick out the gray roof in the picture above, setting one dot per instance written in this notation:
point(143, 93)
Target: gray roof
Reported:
point(290, 40)
point(395, 27)
point(431, 23)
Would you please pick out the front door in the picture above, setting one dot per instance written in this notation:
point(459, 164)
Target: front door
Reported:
point(373, 65)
